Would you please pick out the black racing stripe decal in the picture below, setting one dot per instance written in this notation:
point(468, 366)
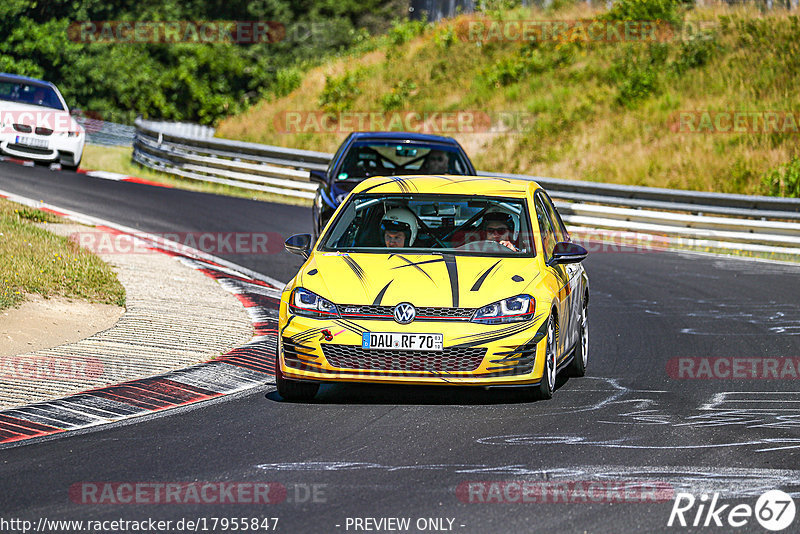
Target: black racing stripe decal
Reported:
point(541, 333)
point(479, 282)
point(356, 268)
point(376, 185)
point(452, 272)
point(488, 178)
point(495, 336)
point(288, 322)
point(404, 186)
point(351, 326)
point(411, 263)
point(505, 331)
point(306, 334)
point(378, 299)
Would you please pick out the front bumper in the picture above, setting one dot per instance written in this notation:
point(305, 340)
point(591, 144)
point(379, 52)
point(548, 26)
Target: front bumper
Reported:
point(473, 354)
point(59, 148)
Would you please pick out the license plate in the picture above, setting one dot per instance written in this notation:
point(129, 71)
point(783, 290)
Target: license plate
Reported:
point(32, 141)
point(401, 341)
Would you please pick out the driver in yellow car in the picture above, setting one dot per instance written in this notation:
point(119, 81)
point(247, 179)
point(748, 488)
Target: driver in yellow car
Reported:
point(498, 227)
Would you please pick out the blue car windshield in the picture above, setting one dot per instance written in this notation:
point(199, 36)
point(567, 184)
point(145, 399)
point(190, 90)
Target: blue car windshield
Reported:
point(386, 158)
point(30, 94)
point(429, 224)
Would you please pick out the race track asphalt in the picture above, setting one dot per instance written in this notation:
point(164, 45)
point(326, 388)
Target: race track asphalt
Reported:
point(393, 452)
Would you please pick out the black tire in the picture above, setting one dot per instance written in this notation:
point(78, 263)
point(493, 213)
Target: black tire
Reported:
point(545, 389)
point(580, 358)
point(72, 168)
point(292, 390)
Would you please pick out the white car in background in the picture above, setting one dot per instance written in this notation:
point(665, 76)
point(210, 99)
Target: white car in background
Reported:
point(35, 123)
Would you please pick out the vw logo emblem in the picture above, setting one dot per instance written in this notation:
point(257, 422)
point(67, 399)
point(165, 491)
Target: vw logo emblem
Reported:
point(404, 313)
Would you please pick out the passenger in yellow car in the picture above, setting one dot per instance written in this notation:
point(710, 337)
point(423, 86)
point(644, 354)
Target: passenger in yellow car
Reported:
point(499, 227)
point(399, 228)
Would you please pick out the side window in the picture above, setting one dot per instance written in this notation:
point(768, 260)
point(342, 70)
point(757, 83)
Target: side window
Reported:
point(549, 239)
point(339, 152)
point(555, 219)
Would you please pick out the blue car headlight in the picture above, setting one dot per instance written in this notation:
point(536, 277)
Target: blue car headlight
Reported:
point(510, 310)
point(307, 304)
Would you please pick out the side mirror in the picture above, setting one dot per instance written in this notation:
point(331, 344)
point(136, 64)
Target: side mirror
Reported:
point(299, 244)
point(317, 176)
point(565, 252)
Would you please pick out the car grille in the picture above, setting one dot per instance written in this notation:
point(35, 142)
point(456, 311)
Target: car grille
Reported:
point(30, 149)
point(23, 128)
point(448, 360)
point(43, 131)
point(356, 311)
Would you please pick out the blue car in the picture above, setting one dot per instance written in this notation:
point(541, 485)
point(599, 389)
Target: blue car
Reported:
point(366, 154)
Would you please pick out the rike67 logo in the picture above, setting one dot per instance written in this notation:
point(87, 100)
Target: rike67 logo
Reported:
point(774, 510)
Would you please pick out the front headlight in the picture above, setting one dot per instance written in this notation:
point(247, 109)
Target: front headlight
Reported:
point(510, 310)
point(308, 304)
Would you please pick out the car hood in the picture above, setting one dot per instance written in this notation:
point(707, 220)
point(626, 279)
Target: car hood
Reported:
point(424, 280)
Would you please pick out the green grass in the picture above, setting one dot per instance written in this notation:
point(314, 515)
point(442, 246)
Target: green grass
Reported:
point(599, 111)
point(118, 159)
point(37, 261)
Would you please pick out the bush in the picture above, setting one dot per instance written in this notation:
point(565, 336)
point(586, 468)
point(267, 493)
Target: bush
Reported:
point(398, 97)
point(783, 181)
point(403, 31)
point(340, 92)
point(695, 52)
point(669, 11)
point(506, 71)
point(286, 81)
point(637, 72)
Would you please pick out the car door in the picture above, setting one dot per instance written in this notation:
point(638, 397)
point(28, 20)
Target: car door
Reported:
point(573, 273)
point(549, 240)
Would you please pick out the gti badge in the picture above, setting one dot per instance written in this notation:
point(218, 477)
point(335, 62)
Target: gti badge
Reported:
point(404, 313)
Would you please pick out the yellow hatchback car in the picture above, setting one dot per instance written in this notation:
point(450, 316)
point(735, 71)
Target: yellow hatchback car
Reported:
point(451, 280)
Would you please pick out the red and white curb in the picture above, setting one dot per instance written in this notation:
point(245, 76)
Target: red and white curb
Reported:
point(249, 366)
point(105, 175)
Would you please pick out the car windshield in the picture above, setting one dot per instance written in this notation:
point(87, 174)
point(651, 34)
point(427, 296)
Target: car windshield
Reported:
point(461, 224)
point(31, 94)
point(387, 158)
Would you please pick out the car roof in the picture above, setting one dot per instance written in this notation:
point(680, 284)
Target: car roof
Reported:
point(26, 79)
point(404, 136)
point(448, 184)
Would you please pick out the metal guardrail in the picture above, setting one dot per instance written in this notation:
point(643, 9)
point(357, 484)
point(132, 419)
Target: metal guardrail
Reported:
point(753, 223)
point(99, 132)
